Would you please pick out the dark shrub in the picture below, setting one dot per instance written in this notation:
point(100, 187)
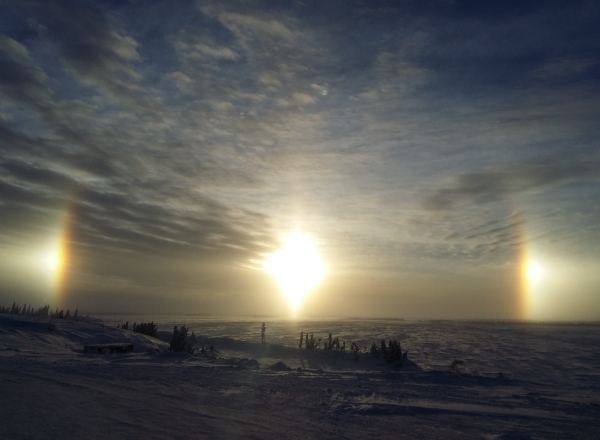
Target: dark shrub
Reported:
point(146, 328)
point(181, 342)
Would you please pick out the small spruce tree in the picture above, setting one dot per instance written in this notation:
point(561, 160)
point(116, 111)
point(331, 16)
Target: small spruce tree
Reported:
point(181, 342)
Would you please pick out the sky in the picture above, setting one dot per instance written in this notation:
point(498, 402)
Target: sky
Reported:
point(443, 156)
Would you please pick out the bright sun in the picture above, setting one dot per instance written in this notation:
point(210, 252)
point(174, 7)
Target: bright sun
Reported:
point(534, 272)
point(52, 261)
point(297, 267)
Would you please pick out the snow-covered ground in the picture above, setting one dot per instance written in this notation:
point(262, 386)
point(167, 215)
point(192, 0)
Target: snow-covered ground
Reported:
point(526, 382)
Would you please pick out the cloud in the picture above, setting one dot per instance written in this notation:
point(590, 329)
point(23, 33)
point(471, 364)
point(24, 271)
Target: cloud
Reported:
point(304, 99)
point(565, 67)
point(119, 223)
point(249, 25)
point(268, 79)
point(502, 181)
point(194, 135)
point(223, 106)
point(91, 46)
point(183, 81)
point(499, 232)
point(198, 47)
point(42, 177)
point(215, 52)
point(19, 75)
point(12, 47)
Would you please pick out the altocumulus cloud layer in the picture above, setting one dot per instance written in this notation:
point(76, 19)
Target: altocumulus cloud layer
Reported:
point(423, 145)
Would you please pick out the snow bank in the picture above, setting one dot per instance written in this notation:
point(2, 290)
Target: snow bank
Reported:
point(47, 337)
point(49, 389)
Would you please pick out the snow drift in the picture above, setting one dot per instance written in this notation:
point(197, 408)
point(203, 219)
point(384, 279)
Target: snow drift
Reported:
point(50, 389)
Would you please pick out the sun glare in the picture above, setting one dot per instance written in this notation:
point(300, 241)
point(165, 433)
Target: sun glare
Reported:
point(297, 267)
point(534, 272)
point(52, 261)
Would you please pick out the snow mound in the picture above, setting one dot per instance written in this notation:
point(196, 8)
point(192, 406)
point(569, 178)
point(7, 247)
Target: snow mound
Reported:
point(280, 366)
point(45, 336)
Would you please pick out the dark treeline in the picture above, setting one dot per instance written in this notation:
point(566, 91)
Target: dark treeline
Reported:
point(45, 312)
point(145, 328)
point(312, 343)
point(391, 351)
point(181, 341)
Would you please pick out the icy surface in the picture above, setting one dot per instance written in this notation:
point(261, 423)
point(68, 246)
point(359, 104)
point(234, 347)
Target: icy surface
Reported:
point(519, 381)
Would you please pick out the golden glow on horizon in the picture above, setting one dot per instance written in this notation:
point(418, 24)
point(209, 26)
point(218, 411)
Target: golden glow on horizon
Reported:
point(297, 267)
point(530, 273)
point(57, 259)
point(533, 274)
point(54, 262)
